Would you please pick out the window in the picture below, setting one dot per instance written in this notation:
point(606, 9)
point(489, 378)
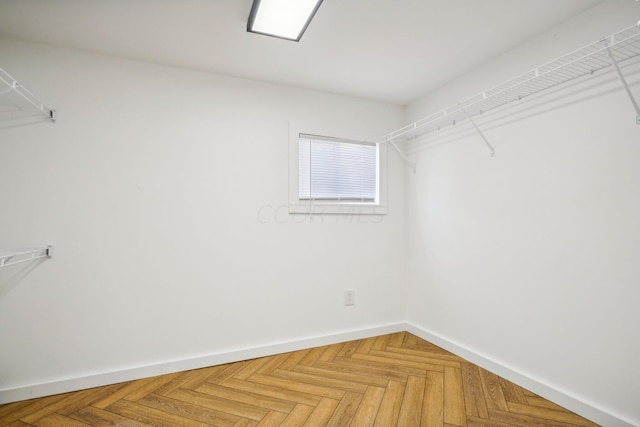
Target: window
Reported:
point(337, 170)
point(332, 172)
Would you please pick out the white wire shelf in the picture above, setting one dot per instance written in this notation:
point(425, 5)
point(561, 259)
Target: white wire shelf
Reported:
point(604, 53)
point(15, 99)
point(17, 256)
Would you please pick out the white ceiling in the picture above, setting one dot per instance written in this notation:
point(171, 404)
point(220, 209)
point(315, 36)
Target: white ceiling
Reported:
point(387, 50)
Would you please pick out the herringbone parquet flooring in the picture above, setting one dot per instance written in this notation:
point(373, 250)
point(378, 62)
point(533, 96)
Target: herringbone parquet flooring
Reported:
point(390, 380)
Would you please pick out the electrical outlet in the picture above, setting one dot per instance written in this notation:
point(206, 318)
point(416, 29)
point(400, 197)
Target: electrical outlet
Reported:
point(349, 297)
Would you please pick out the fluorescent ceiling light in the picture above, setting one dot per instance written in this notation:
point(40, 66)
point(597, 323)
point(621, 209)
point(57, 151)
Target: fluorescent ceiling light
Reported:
point(286, 19)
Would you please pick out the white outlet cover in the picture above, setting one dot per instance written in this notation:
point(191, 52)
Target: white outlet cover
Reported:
point(349, 297)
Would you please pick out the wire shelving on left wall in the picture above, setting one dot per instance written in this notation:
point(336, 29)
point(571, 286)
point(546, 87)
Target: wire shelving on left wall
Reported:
point(16, 102)
point(17, 256)
point(16, 98)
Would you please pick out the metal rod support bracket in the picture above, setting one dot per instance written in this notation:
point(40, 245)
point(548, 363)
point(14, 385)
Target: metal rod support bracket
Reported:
point(28, 97)
point(412, 165)
point(624, 82)
point(16, 257)
point(486, 141)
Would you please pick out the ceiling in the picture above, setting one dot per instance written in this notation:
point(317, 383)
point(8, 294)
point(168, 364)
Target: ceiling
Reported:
point(387, 50)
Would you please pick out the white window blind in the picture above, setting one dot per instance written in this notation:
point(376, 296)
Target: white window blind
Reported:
point(332, 169)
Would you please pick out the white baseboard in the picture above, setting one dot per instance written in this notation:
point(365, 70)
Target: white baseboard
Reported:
point(589, 411)
point(105, 378)
point(586, 410)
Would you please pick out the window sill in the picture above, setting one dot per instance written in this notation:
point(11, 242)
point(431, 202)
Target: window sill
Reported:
point(319, 208)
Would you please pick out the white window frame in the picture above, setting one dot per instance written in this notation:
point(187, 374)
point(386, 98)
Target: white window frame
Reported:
point(297, 206)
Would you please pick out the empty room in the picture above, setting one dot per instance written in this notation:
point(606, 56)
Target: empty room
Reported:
point(320, 213)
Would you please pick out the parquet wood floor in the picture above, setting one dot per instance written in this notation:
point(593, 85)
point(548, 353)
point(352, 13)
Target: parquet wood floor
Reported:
point(390, 380)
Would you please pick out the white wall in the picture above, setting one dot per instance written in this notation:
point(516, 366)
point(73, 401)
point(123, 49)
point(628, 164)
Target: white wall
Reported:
point(530, 259)
point(164, 193)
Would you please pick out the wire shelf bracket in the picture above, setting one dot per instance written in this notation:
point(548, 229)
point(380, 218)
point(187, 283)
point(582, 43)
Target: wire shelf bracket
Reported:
point(622, 79)
point(484, 138)
point(409, 163)
point(617, 48)
point(12, 85)
point(8, 258)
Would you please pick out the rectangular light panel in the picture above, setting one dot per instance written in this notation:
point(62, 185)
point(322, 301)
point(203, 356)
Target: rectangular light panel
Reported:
point(286, 19)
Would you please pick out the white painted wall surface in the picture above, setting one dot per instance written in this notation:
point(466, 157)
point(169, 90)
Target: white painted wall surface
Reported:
point(164, 192)
point(531, 258)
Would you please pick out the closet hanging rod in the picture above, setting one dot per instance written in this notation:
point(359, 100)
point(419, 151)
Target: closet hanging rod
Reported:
point(623, 45)
point(16, 87)
point(12, 257)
